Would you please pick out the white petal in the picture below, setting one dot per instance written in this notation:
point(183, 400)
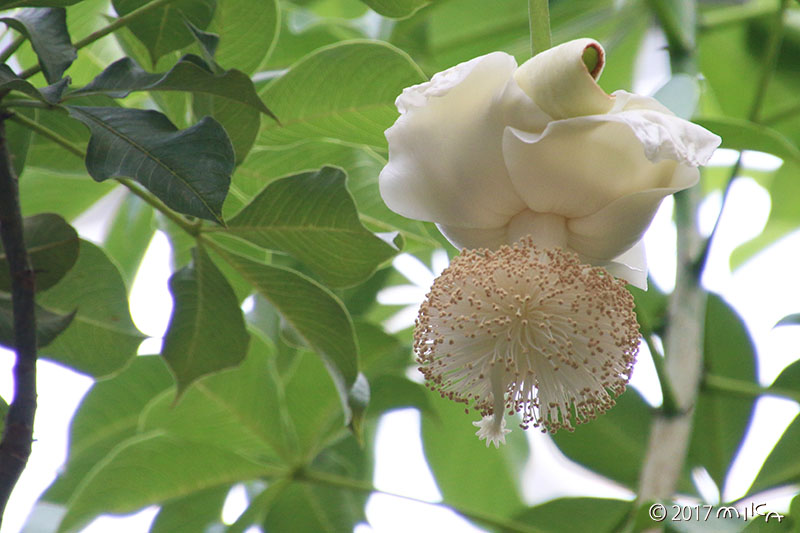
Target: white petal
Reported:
point(577, 166)
point(631, 266)
point(559, 82)
point(474, 238)
point(614, 229)
point(445, 150)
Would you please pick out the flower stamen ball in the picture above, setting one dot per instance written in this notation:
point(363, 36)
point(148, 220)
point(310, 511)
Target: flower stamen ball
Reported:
point(530, 331)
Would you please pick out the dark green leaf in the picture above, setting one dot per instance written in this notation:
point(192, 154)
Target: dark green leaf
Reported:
point(189, 170)
point(614, 445)
point(782, 466)
point(162, 30)
point(52, 247)
point(190, 74)
point(151, 468)
point(312, 217)
point(208, 43)
point(18, 141)
point(198, 511)
point(45, 154)
point(8, 4)
point(789, 320)
point(130, 235)
point(102, 338)
point(721, 419)
point(576, 514)
point(107, 415)
point(247, 31)
point(395, 392)
point(206, 333)
point(3, 413)
point(241, 121)
point(48, 325)
point(314, 313)
point(47, 31)
point(458, 458)
point(739, 134)
point(339, 93)
point(396, 8)
point(49, 95)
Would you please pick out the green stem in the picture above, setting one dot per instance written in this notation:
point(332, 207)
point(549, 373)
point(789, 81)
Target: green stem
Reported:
point(745, 388)
point(188, 227)
point(102, 32)
point(334, 480)
point(539, 21)
point(11, 48)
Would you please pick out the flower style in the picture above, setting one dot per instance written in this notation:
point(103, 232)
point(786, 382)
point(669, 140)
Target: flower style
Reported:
point(492, 152)
point(527, 330)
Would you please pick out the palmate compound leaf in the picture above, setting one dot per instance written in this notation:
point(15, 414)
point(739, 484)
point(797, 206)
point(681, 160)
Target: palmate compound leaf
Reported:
point(315, 313)
point(206, 333)
point(189, 170)
point(46, 29)
point(312, 217)
point(52, 246)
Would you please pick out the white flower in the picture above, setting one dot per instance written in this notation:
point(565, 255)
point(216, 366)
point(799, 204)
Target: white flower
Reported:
point(527, 330)
point(492, 152)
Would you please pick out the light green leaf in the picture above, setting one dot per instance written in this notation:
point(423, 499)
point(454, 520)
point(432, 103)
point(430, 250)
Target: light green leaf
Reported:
point(396, 392)
point(241, 121)
point(107, 415)
point(151, 468)
point(782, 466)
point(346, 92)
point(102, 338)
point(129, 236)
point(65, 194)
point(458, 458)
point(189, 170)
point(739, 134)
point(247, 32)
point(577, 514)
point(162, 30)
point(312, 217)
point(197, 511)
point(206, 332)
point(46, 29)
point(680, 95)
point(397, 8)
point(312, 311)
point(48, 325)
point(721, 420)
point(52, 246)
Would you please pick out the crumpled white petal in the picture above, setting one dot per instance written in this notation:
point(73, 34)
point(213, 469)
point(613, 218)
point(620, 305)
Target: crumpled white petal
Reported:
point(490, 431)
point(445, 154)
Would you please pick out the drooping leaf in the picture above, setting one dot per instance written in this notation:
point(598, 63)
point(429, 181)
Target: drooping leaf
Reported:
point(162, 30)
point(339, 92)
point(197, 511)
point(721, 419)
point(101, 338)
point(576, 514)
point(312, 311)
point(312, 217)
point(129, 236)
point(189, 170)
point(48, 325)
point(614, 445)
point(739, 134)
point(190, 74)
point(247, 31)
point(206, 333)
point(151, 468)
point(49, 95)
point(107, 415)
point(46, 29)
point(396, 8)
point(52, 246)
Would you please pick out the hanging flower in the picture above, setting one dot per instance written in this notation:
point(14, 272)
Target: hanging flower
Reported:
point(527, 330)
point(492, 152)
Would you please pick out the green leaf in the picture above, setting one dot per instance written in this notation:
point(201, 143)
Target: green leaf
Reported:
point(190, 74)
point(241, 122)
point(340, 92)
point(48, 325)
point(247, 31)
point(162, 30)
point(313, 312)
point(8, 4)
point(614, 445)
point(458, 458)
point(189, 170)
point(395, 392)
point(129, 236)
point(46, 29)
point(69, 195)
point(45, 154)
point(152, 468)
point(239, 409)
point(782, 466)
point(789, 378)
point(789, 320)
point(18, 141)
point(198, 511)
point(312, 217)
point(721, 420)
point(107, 415)
point(576, 514)
point(102, 338)
point(11, 82)
point(739, 134)
point(3, 413)
point(52, 248)
point(397, 8)
point(206, 332)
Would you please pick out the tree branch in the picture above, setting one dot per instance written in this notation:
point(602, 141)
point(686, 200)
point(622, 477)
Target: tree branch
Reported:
point(15, 447)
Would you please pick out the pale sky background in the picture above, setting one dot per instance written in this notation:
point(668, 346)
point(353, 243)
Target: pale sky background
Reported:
point(763, 290)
